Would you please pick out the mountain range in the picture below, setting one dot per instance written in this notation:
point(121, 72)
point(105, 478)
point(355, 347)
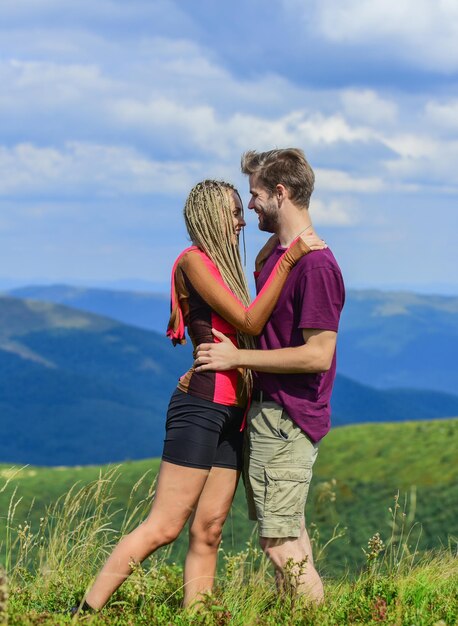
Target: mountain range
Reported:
point(386, 339)
point(79, 388)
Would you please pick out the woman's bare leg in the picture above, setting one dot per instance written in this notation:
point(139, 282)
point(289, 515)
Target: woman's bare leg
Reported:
point(205, 530)
point(178, 490)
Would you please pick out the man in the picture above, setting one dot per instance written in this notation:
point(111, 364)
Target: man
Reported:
point(294, 366)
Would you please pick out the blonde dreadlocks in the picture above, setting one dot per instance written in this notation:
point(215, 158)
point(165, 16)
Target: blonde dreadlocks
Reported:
point(208, 218)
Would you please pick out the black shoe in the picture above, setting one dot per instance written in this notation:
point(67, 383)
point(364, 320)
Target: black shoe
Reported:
point(80, 609)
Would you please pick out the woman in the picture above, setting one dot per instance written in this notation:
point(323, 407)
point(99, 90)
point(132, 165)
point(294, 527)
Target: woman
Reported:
point(202, 455)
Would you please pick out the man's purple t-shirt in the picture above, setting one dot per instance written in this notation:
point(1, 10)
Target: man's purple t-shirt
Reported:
point(313, 297)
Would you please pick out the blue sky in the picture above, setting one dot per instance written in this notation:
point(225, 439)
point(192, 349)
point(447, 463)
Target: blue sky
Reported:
point(111, 110)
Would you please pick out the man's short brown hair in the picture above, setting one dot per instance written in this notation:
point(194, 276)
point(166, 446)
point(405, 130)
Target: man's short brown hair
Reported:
point(285, 166)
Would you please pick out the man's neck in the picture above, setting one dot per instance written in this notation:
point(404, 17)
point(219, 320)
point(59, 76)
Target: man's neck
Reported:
point(289, 231)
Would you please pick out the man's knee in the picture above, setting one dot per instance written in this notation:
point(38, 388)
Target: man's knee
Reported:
point(264, 543)
point(282, 550)
point(273, 549)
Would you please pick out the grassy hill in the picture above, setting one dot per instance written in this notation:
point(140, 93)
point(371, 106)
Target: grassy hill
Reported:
point(359, 471)
point(386, 339)
point(79, 388)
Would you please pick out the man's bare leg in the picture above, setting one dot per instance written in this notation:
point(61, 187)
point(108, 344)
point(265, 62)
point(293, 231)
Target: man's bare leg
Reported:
point(305, 541)
point(302, 574)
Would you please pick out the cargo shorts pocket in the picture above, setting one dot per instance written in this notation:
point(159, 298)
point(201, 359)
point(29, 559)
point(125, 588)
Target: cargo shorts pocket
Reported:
point(286, 490)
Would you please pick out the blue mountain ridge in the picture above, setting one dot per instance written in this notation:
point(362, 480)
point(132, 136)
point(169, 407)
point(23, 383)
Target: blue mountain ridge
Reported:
point(386, 339)
point(78, 388)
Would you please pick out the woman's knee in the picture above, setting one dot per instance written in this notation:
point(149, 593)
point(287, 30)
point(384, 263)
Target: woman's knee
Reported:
point(208, 533)
point(157, 536)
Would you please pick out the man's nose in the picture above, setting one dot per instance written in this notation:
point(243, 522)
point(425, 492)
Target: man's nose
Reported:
point(251, 204)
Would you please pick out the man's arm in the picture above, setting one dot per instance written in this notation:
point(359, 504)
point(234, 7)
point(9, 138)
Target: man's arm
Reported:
point(314, 356)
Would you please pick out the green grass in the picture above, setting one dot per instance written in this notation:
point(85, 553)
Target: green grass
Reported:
point(359, 471)
point(399, 480)
point(425, 595)
point(403, 454)
point(53, 565)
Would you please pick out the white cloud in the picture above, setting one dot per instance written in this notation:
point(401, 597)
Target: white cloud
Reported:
point(365, 105)
point(426, 161)
point(411, 146)
point(47, 98)
point(443, 114)
point(333, 213)
point(172, 91)
point(197, 108)
point(79, 167)
point(112, 110)
point(226, 136)
point(162, 116)
point(338, 181)
point(424, 32)
point(110, 171)
point(294, 128)
point(321, 129)
point(32, 74)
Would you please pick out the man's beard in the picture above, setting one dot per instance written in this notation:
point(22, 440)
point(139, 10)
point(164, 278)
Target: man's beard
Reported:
point(268, 217)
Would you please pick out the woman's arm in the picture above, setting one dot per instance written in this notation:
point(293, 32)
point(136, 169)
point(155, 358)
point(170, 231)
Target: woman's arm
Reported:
point(207, 281)
point(265, 252)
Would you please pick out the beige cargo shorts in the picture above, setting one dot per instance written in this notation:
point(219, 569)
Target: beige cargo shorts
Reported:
point(277, 470)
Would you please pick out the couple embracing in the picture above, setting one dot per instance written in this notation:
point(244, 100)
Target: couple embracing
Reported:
point(263, 373)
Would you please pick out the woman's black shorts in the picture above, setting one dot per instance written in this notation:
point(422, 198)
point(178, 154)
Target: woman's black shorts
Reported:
point(202, 434)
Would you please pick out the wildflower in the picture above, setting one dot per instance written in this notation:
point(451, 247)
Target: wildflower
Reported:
point(375, 547)
point(379, 609)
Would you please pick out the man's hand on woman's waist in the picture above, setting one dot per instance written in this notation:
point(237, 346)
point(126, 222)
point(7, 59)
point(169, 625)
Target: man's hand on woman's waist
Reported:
point(314, 356)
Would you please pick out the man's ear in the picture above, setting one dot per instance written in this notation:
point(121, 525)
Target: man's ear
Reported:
point(281, 193)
